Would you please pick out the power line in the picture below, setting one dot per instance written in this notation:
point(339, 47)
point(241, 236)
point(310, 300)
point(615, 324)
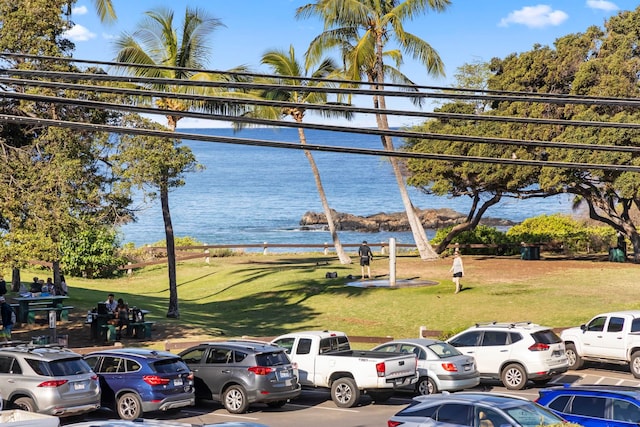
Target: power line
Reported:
point(6, 118)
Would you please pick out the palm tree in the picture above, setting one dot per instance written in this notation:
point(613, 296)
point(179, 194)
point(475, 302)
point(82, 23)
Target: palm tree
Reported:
point(285, 64)
point(157, 43)
point(105, 10)
point(361, 29)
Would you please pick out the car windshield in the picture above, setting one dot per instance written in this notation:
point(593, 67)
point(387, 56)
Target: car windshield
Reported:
point(533, 415)
point(444, 350)
point(59, 368)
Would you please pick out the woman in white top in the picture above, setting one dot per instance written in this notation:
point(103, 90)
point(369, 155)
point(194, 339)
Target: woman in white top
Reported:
point(458, 271)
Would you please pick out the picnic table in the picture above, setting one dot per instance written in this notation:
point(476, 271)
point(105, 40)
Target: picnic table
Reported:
point(34, 304)
point(102, 330)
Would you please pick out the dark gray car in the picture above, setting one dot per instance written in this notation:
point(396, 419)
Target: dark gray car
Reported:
point(237, 373)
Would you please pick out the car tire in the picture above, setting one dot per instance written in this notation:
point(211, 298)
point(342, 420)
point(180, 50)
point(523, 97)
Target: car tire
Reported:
point(380, 396)
point(277, 404)
point(634, 364)
point(345, 392)
point(514, 377)
point(575, 361)
point(426, 386)
point(129, 406)
point(234, 400)
point(25, 404)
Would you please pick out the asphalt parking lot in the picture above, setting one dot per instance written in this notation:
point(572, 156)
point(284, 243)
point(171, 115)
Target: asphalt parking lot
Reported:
point(314, 408)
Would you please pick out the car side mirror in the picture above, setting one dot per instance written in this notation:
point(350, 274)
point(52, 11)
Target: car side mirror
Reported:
point(583, 327)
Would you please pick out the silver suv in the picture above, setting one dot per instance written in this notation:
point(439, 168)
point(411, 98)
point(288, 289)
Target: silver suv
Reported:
point(237, 373)
point(47, 379)
point(513, 352)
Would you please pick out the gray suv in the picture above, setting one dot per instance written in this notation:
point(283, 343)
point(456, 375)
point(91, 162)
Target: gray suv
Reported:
point(237, 373)
point(47, 379)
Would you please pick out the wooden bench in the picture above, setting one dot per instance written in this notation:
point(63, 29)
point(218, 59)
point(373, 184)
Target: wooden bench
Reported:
point(141, 330)
point(62, 312)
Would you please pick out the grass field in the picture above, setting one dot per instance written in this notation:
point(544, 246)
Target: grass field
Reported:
point(265, 295)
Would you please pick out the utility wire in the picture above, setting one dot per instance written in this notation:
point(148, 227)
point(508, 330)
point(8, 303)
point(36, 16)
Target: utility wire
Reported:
point(7, 118)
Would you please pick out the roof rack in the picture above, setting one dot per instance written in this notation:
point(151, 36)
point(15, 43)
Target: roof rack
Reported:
point(506, 324)
point(30, 346)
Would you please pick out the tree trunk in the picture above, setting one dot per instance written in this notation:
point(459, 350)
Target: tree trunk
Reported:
point(15, 279)
point(173, 311)
point(342, 255)
point(419, 235)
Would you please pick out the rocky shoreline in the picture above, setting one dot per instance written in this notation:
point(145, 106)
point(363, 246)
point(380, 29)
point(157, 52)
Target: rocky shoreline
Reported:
point(397, 221)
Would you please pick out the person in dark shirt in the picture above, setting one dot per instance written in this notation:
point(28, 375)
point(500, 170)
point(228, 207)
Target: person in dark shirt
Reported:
point(3, 286)
point(366, 256)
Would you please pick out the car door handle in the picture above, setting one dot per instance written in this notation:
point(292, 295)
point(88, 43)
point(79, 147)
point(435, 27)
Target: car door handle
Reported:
point(503, 351)
point(226, 371)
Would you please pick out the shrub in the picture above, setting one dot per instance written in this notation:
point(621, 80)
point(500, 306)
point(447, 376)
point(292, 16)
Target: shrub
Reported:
point(91, 253)
point(482, 234)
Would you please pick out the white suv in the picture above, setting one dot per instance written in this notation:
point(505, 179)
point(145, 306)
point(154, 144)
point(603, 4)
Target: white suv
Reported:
point(513, 352)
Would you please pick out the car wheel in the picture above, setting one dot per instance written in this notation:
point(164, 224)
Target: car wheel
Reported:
point(426, 386)
point(634, 365)
point(129, 406)
point(575, 361)
point(380, 396)
point(345, 393)
point(514, 377)
point(26, 404)
point(234, 400)
point(277, 404)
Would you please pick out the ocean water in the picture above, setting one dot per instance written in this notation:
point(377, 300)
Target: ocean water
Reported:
point(252, 195)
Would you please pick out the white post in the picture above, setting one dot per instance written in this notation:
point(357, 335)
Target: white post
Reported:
point(264, 250)
point(129, 271)
point(392, 261)
point(382, 248)
point(206, 255)
point(422, 331)
point(326, 248)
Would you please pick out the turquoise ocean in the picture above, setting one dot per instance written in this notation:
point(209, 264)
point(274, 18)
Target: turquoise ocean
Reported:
point(252, 195)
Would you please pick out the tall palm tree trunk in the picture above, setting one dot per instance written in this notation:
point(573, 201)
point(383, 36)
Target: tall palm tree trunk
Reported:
point(419, 235)
point(344, 258)
point(173, 311)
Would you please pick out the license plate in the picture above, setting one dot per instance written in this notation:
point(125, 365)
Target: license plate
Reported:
point(558, 353)
point(285, 374)
point(79, 386)
point(177, 381)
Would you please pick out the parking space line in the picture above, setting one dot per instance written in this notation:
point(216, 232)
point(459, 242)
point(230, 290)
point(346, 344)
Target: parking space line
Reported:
point(320, 407)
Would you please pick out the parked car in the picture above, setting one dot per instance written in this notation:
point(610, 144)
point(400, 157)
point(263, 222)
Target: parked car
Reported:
point(440, 365)
point(608, 337)
point(135, 381)
point(473, 409)
point(513, 352)
point(594, 406)
point(161, 423)
point(238, 373)
point(49, 380)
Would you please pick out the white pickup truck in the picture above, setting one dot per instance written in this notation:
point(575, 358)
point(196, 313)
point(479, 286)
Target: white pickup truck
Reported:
point(325, 359)
point(609, 337)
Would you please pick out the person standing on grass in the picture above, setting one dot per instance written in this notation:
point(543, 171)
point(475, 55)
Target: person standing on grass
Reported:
point(458, 271)
point(8, 319)
point(366, 256)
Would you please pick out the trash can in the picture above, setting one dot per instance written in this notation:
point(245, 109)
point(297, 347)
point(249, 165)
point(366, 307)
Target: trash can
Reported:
point(616, 255)
point(530, 252)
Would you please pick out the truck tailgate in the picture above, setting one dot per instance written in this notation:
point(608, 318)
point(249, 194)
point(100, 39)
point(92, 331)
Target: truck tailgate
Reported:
point(400, 366)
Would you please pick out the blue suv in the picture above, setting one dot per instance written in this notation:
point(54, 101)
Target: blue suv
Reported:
point(134, 381)
point(594, 406)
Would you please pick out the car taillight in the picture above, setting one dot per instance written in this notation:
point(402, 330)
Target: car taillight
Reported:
point(449, 367)
point(394, 423)
point(380, 368)
point(94, 378)
point(155, 380)
point(190, 377)
point(53, 383)
point(260, 370)
point(539, 347)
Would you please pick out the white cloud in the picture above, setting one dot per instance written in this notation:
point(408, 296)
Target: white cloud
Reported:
point(602, 5)
point(79, 34)
point(80, 10)
point(539, 16)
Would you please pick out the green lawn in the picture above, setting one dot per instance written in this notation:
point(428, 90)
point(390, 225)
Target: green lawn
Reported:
point(260, 295)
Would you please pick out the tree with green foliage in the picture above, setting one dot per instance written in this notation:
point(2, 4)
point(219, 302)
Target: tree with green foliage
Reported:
point(54, 181)
point(361, 31)
point(288, 71)
point(157, 42)
point(599, 62)
point(156, 165)
point(91, 252)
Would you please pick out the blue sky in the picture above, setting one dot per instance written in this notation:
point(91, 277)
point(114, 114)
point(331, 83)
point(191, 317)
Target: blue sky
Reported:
point(468, 31)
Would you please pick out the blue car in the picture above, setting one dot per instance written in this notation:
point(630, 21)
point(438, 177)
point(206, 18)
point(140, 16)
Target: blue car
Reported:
point(134, 381)
point(595, 405)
